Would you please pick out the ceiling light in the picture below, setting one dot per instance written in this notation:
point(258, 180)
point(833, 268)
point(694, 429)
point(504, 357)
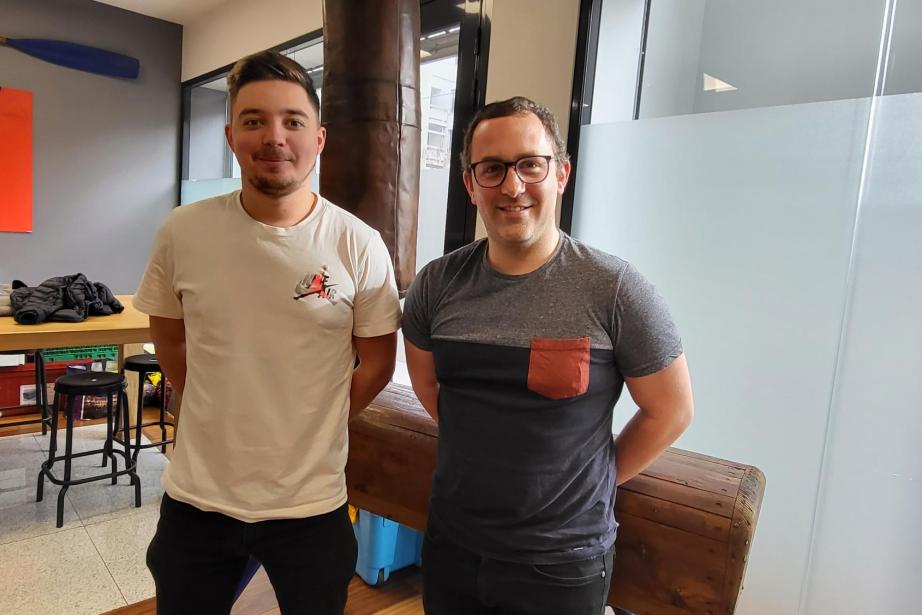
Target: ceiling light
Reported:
point(437, 34)
point(713, 84)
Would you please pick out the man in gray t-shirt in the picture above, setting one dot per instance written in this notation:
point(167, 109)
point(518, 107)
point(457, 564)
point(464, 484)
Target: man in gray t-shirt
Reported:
point(519, 345)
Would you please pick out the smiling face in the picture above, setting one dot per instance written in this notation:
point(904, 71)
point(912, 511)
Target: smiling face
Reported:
point(516, 215)
point(276, 136)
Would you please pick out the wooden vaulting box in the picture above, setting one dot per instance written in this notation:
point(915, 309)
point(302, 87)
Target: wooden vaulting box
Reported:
point(686, 523)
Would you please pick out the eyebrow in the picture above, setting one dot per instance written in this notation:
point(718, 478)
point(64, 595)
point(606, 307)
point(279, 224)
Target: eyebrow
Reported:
point(255, 111)
point(519, 157)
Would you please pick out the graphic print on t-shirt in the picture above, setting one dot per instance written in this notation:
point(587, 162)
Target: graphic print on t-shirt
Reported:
point(317, 284)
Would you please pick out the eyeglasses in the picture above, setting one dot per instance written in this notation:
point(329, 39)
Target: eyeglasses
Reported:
point(530, 169)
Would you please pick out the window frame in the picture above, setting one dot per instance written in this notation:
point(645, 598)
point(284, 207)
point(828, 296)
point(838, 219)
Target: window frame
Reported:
point(470, 93)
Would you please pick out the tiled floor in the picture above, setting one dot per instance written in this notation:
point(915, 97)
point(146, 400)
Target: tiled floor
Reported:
point(94, 563)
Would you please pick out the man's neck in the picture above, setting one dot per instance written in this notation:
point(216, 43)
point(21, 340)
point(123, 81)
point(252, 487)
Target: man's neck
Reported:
point(282, 212)
point(519, 260)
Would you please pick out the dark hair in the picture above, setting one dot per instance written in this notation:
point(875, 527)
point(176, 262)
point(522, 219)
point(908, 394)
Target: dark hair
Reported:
point(517, 105)
point(270, 65)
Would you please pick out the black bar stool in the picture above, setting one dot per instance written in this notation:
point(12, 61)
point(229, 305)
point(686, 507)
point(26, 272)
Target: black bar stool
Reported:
point(145, 364)
point(67, 389)
point(41, 395)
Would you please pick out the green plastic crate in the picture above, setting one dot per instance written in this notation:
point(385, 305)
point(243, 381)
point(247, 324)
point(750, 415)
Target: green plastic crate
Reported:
point(75, 353)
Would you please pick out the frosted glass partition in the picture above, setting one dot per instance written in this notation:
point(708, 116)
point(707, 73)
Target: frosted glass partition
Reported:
point(772, 190)
point(867, 555)
point(193, 190)
point(744, 221)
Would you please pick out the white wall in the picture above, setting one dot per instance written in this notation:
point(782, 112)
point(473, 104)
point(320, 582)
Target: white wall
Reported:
point(241, 27)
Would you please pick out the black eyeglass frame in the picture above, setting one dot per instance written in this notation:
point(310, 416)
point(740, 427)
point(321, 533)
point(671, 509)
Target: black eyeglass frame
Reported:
point(515, 166)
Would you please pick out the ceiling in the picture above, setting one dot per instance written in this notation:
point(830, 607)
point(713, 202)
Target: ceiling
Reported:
point(178, 11)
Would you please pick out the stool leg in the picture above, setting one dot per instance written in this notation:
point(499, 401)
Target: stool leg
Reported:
point(41, 391)
point(70, 410)
point(52, 447)
point(109, 438)
point(132, 464)
point(107, 447)
point(163, 413)
point(118, 417)
point(140, 416)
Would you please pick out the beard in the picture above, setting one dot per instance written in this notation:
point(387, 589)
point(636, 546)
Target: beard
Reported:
point(277, 186)
point(271, 186)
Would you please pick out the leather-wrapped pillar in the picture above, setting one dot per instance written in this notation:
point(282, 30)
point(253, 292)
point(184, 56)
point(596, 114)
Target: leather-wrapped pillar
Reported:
point(371, 110)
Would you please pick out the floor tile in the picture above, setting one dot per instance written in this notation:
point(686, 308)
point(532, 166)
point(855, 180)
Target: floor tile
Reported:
point(15, 445)
point(101, 501)
point(21, 516)
point(122, 544)
point(56, 574)
point(85, 438)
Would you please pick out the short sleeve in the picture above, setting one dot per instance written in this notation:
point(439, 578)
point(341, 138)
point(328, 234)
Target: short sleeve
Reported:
point(646, 338)
point(416, 323)
point(157, 294)
point(376, 308)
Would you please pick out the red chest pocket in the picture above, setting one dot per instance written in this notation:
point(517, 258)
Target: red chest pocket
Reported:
point(558, 368)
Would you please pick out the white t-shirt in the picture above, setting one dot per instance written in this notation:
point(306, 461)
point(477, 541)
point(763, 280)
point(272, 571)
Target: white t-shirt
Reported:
point(269, 316)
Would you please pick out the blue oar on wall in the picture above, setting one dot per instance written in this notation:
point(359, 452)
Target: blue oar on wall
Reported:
point(79, 57)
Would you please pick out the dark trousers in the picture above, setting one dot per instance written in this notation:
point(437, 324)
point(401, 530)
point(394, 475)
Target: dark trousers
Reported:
point(459, 582)
point(197, 559)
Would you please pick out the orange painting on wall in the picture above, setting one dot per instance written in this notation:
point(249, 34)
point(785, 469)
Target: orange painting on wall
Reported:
point(15, 160)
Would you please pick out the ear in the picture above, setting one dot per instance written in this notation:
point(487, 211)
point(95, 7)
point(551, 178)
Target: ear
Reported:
point(229, 136)
point(563, 175)
point(468, 183)
point(321, 139)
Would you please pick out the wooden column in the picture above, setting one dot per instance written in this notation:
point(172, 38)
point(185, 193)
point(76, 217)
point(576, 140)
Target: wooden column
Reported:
point(371, 110)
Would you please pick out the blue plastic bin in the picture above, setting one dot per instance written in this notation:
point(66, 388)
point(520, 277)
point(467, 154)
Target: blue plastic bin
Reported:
point(385, 546)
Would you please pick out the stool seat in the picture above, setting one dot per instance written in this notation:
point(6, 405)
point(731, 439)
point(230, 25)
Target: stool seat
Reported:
point(86, 381)
point(142, 363)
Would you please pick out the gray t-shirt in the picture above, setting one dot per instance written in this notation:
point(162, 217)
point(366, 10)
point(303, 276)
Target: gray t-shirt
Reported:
point(530, 368)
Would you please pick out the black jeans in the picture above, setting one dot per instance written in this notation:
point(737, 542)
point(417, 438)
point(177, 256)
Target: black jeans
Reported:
point(197, 559)
point(459, 582)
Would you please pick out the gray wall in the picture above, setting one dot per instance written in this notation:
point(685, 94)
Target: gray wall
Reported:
point(105, 150)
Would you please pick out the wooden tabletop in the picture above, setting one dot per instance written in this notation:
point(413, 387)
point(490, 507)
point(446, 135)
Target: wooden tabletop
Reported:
point(129, 327)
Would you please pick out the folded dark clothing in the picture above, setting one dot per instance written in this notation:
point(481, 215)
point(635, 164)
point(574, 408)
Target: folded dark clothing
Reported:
point(68, 298)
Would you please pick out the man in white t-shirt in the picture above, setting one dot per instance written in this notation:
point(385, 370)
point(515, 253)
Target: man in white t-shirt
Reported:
point(260, 302)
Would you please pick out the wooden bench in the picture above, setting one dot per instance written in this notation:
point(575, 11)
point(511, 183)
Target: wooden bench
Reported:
point(686, 523)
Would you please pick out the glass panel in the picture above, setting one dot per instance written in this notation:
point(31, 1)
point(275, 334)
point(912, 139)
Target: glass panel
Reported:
point(438, 72)
point(211, 163)
point(870, 500)
point(775, 202)
point(718, 55)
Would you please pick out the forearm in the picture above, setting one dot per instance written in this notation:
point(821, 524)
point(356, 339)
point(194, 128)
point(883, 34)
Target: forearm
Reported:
point(644, 439)
point(172, 359)
point(367, 381)
point(428, 395)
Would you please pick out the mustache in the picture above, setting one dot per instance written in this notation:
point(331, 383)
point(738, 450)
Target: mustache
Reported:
point(272, 153)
